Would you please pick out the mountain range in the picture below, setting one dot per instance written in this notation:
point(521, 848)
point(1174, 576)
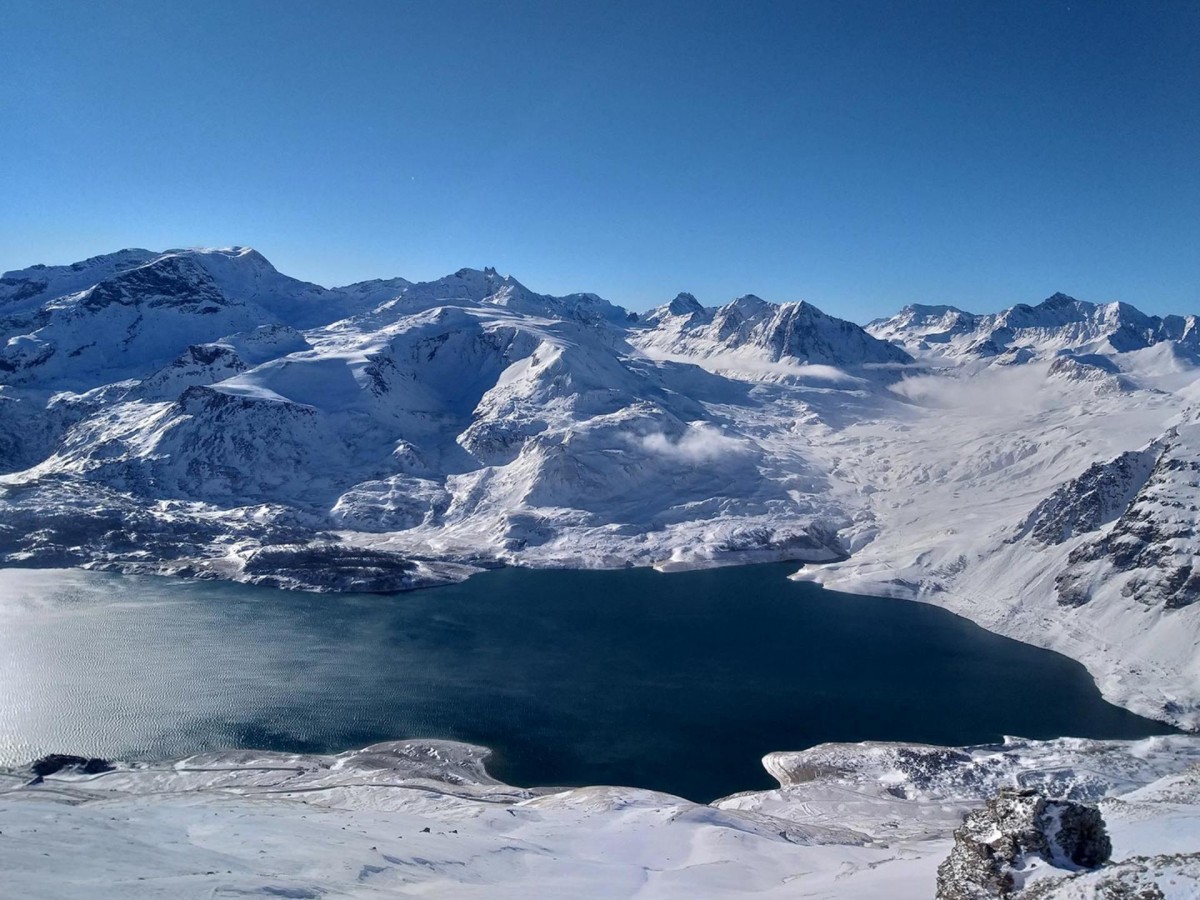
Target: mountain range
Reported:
point(196, 412)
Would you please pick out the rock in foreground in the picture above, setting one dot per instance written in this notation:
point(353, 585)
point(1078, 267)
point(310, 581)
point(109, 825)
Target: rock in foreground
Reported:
point(1018, 836)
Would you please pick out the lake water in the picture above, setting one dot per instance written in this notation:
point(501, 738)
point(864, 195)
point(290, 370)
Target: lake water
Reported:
point(677, 682)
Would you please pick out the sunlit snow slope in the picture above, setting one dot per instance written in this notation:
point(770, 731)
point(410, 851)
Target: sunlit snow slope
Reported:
point(869, 821)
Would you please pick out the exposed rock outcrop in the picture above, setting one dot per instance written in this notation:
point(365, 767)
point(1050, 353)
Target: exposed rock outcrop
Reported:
point(1149, 550)
point(57, 762)
point(1003, 845)
point(1095, 498)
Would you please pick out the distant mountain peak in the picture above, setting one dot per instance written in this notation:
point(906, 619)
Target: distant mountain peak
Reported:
point(489, 273)
point(684, 304)
point(753, 328)
point(1060, 323)
point(749, 301)
point(1058, 300)
point(933, 309)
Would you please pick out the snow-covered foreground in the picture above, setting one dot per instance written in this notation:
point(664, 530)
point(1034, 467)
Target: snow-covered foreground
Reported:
point(199, 413)
point(424, 819)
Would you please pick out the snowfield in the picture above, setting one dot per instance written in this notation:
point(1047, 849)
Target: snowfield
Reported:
point(424, 819)
point(196, 412)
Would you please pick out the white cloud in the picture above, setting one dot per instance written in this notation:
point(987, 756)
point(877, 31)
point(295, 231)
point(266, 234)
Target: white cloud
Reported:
point(747, 365)
point(701, 443)
point(993, 390)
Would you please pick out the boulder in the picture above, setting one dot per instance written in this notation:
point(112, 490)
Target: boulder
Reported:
point(82, 765)
point(1018, 835)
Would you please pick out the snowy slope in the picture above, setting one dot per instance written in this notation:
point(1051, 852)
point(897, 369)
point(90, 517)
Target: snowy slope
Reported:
point(197, 412)
point(997, 480)
point(869, 821)
point(122, 326)
point(27, 289)
point(245, 276)
point(122, 315)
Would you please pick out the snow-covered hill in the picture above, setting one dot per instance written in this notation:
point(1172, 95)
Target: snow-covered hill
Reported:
point(869, 821)
point(197, 412)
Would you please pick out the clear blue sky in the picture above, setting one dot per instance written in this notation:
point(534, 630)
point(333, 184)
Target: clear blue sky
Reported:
point(857, 155)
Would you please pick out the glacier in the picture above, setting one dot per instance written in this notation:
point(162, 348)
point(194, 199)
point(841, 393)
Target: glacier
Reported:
point(198, 413)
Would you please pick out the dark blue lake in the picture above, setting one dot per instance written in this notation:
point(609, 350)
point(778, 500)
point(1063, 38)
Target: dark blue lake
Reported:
point(677, 682)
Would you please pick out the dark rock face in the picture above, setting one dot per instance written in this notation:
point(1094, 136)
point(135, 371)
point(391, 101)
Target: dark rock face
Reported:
point(814, 542)
point(17, 289)
point(1153, 539)
point(82, 765)
point(331, 566)
point(997, 847)
point(198, 365)
point(1097, 497)
point(58, 522)
point(168, 282)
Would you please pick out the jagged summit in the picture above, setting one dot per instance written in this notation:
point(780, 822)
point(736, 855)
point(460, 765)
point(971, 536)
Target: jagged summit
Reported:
point(1057, 300)
point(1059, 324)
point(752, 328)
point(684, 304)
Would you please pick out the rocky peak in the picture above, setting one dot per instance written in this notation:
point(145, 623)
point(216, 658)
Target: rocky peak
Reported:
point(746, 306)
point(1058, 300)
point(684, 304)
point(36, 284)
point(1058, 324)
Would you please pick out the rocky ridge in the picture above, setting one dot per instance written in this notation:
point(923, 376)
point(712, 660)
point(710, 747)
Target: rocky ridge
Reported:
point(1059, 324)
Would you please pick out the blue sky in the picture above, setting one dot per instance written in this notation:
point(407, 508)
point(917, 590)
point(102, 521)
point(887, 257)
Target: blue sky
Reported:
point(860, 155)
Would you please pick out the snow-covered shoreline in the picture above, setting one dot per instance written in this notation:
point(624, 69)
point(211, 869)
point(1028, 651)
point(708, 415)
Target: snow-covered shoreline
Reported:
point(864, 820)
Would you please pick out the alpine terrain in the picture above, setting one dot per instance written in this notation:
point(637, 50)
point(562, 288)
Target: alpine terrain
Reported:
point(198, 413)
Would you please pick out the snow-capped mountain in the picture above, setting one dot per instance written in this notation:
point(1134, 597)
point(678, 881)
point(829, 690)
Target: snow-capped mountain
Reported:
point(197, 412)
point(114, 317)
point(755, 330)
point(115, 328)
point(1059, 324)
